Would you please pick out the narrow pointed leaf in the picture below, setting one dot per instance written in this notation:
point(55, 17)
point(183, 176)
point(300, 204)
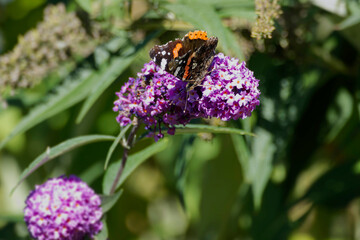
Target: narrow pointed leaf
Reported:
point(106, 77)
point(115, 143)
point(184, 155)
point(260, 164)
point(242, 153)
point(104, 234)
point(132, 163)
point(58, 150)
point(109, 75)
point(196, 128)
point(73, 91)
point(108, 201)
point(204, 17)
point(90, 174)
point(349, 22)
point(65, 97)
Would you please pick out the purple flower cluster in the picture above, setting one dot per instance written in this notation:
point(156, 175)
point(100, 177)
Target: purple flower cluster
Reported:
point(229, 91)
point(63, 208)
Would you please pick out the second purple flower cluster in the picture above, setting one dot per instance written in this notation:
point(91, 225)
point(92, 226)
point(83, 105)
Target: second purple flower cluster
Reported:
point(229, 91)
point(63, 208)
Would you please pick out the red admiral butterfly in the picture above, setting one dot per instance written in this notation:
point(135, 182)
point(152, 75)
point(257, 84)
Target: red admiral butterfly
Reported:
point(188, 58)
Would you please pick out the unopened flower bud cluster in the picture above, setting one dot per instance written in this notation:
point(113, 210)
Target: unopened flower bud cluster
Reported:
point(59, 37)
point(267, 11)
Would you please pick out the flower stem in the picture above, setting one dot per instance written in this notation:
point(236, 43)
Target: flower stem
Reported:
point(127, 148)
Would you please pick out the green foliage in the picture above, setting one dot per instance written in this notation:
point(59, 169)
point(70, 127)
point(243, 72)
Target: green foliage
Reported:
point(58, 150)
point(291, 171)
point(196, 128)
point(114, 145)
point(203, 16)
point(108, 201)
point(133, 162)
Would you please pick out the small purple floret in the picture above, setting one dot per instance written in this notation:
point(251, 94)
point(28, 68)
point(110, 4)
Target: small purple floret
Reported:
point(63, 208)
point(229, 91)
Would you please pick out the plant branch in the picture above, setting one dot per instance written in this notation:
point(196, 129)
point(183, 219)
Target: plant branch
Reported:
point(127, 148)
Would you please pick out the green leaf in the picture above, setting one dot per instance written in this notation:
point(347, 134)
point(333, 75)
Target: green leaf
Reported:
point(225, 3)
point(349, 22)
point(234, 12)
point(115, 143)
point(58, 150)
point(337, 187)
point(109, 73)
point(90, 174)
point(132, 163)
point(66, 96)
point(242, 153)
point(204, 17)
point(108, 201)
point(212, 180)
point(85, 4)
point(339, 114)
point(232, 8)
point(353, 19)
point(184, 155)
point(260, 164)
point(106, 76)
point(238, 4)
point(12, 218)
point(104, 234)
point(75, 89)
point(196, 128)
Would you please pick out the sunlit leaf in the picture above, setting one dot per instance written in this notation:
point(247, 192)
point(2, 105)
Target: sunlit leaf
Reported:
point(232, 8)
point(132, 163)
point(349, 22)
point(58, 150)
point(75, 88)
point(66, 96)
point(85, 4)
point(196, 128)
point(105, 77)
point(244, 13)
point(235, 4)
point(260, 164)
point(109, 73)
point(204, 17)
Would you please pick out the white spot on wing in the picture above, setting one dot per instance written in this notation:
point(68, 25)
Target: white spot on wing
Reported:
point(163, 53)
point(176, 71)
point(163, 64)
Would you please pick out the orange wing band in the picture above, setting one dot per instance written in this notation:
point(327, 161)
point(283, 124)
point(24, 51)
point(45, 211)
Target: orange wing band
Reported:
point(197, 35)
point(176, 50)
point(187, 67)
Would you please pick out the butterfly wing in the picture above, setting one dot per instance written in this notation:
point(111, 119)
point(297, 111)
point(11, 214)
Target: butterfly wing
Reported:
point(187, 58)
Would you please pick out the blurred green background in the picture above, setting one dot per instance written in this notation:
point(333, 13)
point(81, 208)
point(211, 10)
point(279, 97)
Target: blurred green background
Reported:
point(298, 179)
